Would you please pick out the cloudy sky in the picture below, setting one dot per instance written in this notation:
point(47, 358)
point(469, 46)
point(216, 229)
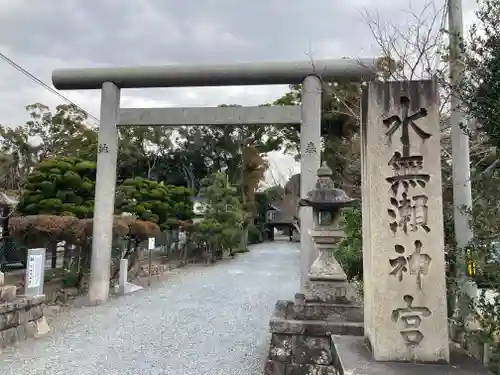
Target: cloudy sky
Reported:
point(44, 35)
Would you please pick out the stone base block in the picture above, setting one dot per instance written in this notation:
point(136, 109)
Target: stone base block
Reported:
point(330, 312)
point(7, 293)
point(40, 328)
point(281, 348)
point(277, 368)
point(316, 327)
point(312, 349)
point(307, 310)
point(301, 332)
point(128, 288)
point(326, 291)
point(352, 356)
point(295, 369)
point(274, 368)
point(283, 309)
point(21, 319)
point(296, 352)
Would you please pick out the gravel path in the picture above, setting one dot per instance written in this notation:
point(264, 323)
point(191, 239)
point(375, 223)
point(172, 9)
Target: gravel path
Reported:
point(202, 320)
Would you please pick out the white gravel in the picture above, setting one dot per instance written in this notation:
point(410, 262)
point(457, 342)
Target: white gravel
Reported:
point(209, 320)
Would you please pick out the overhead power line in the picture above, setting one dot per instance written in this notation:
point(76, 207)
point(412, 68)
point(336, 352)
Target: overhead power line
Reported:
point(45, 86)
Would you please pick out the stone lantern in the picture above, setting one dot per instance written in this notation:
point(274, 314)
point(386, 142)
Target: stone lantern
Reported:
point(327, 280)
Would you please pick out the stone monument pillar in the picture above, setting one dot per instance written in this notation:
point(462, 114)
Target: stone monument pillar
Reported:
point(403, 244)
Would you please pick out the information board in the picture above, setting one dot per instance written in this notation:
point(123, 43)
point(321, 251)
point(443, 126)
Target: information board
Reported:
point(34, 270)
point(35, 267)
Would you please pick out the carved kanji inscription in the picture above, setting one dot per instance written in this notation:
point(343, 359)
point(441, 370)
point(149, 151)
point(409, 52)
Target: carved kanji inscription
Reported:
point(399, 263)
point(102, 148)
point(416, 264)
point(310, 149)
point(404, 122)
point(409, 214)
point(411, 317)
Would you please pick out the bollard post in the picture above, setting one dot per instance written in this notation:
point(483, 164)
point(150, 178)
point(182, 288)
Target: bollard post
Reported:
point(122, 280)
point(124, 287)
point(150, 261)
point(151, 246)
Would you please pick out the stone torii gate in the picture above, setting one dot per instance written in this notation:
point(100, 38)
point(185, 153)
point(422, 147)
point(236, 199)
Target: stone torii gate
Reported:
point(111, 80)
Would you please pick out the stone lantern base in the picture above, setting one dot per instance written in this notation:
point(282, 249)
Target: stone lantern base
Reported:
point(328, 291)
point(301, 332)
point(327, 281)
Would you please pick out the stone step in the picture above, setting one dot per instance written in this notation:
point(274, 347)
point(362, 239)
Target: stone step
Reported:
point(302, 310)
point(280, 368)
point(352, 356)
point(328, 311)
point(8, 293)
point(302, 299)
point(283, 309)
point(316, 327)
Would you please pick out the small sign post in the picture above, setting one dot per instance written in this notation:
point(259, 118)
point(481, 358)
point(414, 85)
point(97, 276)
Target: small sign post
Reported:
point(151, 246)
point(35, 270)
point(151, 243)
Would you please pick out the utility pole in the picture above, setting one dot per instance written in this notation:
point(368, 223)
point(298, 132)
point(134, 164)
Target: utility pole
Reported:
point(462, 195)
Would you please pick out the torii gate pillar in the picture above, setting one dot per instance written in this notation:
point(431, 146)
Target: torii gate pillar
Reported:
point(310, 155)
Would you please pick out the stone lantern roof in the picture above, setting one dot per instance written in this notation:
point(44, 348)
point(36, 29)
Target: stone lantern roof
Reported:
point(326, 195)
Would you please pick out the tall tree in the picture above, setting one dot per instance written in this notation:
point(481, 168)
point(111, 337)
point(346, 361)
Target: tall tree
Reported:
point(481, 85)
point(182, 167)
point(66, 132)
point(63, 133)
point(339, 128)
point(275, 193)
point(480, 92)
point(222, 226)
point(18, 156)
point(140, 150)
point(222, 146)
point(252, 172)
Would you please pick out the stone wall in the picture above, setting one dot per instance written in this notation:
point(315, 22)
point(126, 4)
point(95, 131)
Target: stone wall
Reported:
point(21, 318)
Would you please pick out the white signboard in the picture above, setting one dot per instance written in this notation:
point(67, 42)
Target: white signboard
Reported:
point(151, 243)
point(35, 268)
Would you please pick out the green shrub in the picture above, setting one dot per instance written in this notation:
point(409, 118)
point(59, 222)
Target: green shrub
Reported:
point(350, 249)
point(59, 185)
point(70, 279)
point(254, 235)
